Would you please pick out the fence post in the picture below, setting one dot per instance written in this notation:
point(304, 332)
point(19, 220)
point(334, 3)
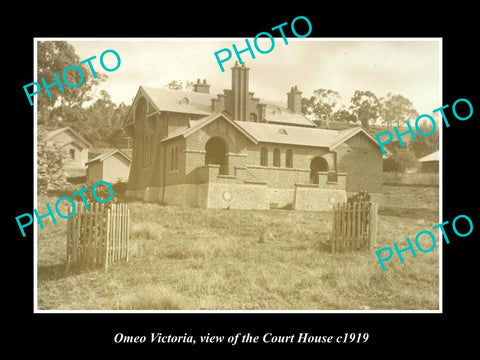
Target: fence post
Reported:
point(372, 234)
point(107, 241)
point(334, 224)
point(69, 239)
point(128, 228)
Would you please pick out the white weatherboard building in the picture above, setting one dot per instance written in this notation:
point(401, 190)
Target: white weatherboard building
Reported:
point(111, 166)
point(75, 145)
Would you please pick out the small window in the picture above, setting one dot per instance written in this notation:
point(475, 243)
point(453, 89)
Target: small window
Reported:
point(253, 117)
point(146, 151)
point(175, 160)
point(72, 153)
point(289, 159)
point(276, 158)
point(263, 156)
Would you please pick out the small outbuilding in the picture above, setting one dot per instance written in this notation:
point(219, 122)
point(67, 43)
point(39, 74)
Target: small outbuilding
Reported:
point(111, 166)
point(429, 163)
point(74, 144)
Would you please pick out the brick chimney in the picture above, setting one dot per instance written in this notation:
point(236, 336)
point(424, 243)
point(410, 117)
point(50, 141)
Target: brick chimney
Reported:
point(201, 87)
point(237, 104)
point(294, 100)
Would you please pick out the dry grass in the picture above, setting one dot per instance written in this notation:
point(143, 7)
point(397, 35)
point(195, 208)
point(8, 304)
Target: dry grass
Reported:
point(193, 259)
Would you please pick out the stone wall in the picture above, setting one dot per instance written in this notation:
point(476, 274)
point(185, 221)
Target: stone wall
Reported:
point(182, 195)
point(217, 196)
point(280, 198)
point(312, 198)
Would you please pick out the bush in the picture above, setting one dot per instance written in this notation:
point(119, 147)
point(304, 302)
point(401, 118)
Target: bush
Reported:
point(119, 187)
point(50, 162)
point(401, 161)
point(361, 196)
point(102, 192)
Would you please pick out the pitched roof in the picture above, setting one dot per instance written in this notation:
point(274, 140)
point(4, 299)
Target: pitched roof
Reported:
point(278, 134)
point(344, 135)
point(430, 157)
point(75, 134)
point(190, 102)
point(278, 112)
point(179, 100)
point(291, 135)
point(198, 124)
point(108, 154)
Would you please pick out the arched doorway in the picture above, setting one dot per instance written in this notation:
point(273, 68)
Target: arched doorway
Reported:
point(317, 164)
point(217, 153)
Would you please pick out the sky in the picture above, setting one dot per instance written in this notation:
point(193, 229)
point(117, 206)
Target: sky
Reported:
point(409, 67)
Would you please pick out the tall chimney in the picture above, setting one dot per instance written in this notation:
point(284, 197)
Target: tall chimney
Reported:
point(237, 106)
point(294, 100)
point(201, 87)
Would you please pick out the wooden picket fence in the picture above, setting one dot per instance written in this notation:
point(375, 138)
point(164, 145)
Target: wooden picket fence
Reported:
point(97, 237)
point(354, 226)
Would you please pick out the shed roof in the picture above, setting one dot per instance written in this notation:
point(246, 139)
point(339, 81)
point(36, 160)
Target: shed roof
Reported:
point(105, 155)
point(430, 157)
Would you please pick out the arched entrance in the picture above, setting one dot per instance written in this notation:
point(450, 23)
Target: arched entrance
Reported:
point(317, 164)
point(217, 153)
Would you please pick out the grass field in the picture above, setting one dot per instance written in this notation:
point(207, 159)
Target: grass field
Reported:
point(196, 259)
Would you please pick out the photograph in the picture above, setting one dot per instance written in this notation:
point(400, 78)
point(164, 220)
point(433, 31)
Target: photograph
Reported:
point(259, 175)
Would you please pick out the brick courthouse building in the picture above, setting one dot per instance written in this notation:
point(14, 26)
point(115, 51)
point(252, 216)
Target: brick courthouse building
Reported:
point(236, 151)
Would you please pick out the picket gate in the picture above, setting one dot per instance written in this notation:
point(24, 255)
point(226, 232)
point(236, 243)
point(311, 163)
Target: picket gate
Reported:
point(354, 226)
point(97, 237)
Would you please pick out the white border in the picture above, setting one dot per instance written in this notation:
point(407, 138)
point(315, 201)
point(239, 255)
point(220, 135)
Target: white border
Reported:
point(373, 39)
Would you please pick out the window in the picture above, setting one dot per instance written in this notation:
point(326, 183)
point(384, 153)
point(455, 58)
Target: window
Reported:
point(174, 158)
point(252, 117)
point(289, 159)
point(263, 156)
point(72, 153)
point(146, 151)
point(276, 157)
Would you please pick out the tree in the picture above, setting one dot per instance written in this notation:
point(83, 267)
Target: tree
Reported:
point(425, 144)
point(99, 119)
point(53, 57)
point(50, 162)
point(365, 107)
point(396, 109)
point(321, 105)
point(116, 138)
point(343, 115)
point(180, 85)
